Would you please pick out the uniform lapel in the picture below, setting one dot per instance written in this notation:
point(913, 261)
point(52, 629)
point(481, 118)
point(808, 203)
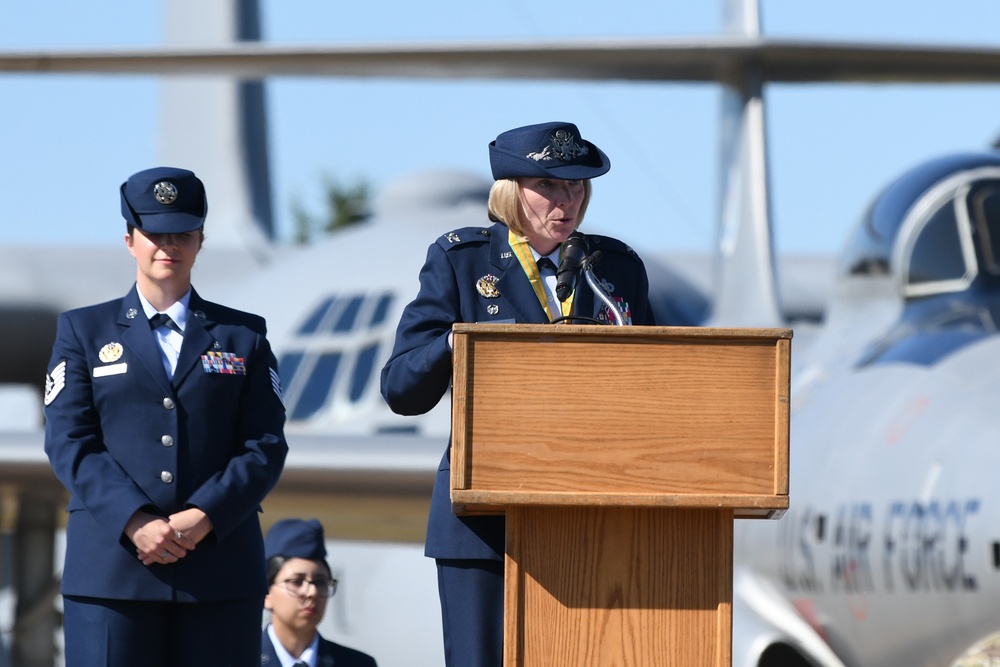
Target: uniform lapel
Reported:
point(512, 282)
point(197, 338)
point(268, 656)
point(138, 338)
point(326, 655)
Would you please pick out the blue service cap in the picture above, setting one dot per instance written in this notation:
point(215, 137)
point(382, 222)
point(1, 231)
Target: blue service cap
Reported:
point(295, 538)
point(546, 150)
point(164, 200)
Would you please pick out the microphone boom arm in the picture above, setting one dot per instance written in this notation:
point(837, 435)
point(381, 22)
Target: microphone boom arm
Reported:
point(598, 288)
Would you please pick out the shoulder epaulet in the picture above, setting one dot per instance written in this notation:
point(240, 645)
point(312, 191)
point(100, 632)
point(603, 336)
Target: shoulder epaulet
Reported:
point(463, 236)
point(610, 244)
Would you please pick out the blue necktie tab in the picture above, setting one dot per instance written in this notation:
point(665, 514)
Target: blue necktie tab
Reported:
point(544, 263)
point(162, 319)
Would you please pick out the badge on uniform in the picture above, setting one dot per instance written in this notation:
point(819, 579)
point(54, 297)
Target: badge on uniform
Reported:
point(606, 316)
point(113, 369)
point(225, 363)
point(487, 286)
point(109, 354)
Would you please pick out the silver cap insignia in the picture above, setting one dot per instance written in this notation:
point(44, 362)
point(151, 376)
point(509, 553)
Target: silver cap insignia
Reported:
point(165, 192)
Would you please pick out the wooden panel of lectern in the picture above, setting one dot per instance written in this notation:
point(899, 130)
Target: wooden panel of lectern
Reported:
point(620, 456)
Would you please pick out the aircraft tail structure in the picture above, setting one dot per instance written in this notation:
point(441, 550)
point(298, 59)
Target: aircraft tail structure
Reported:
point(216, 126)
point(746, 287)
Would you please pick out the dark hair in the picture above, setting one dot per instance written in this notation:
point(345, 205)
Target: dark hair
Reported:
point(275, 563)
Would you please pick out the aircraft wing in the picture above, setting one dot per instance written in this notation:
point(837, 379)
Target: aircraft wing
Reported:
point(695, 59)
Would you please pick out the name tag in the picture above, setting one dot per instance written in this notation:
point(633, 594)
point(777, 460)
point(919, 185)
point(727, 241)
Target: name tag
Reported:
point(114, 369)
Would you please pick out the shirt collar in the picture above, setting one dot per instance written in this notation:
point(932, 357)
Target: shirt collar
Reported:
point(554, 255)
point(178, 311)
point(287, 660)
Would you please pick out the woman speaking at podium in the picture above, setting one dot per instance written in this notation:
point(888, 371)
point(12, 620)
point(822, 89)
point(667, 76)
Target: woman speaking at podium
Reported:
point(504, 273)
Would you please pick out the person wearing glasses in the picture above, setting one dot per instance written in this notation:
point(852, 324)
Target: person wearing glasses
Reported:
point(300, 583)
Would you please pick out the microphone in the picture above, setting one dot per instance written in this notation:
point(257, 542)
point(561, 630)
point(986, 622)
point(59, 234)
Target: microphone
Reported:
point(574, 251)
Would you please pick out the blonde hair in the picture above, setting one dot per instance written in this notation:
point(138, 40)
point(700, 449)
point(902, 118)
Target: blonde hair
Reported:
point(505, 204)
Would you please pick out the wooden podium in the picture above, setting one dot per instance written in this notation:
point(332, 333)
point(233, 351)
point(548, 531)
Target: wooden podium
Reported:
point(620, 456)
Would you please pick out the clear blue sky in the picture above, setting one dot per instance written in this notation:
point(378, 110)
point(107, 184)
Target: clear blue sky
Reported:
point(67, 142)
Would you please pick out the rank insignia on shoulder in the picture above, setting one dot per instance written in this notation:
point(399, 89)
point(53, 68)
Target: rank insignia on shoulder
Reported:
point(452, 237)
point(110, 352)
point(487, 286)
point(54, 382)
point(225, 363)
point(276, 386)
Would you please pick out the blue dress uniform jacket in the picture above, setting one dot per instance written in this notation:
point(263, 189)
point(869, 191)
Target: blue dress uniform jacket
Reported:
point(121, 437)
point(418, 373)
point(328, 655)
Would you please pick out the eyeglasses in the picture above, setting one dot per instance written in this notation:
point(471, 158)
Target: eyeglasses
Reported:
point(298, 587)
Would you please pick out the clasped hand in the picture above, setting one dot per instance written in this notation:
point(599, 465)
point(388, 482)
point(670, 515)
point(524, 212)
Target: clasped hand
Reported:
point(159, 540)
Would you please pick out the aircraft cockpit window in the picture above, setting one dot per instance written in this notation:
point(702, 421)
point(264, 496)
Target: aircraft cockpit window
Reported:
point(381, 310)
point(332, 362)
point(985, 207)
point(937, 253)
point(317, 388)
point(364, 371)
point(311, 324)
point(349, 314)
point(334, 315)
point(938, 260)
point(288, 368)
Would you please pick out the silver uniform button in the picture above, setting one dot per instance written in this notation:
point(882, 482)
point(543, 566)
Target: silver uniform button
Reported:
point(168, 403)
point(167, 440)
point(166, 477)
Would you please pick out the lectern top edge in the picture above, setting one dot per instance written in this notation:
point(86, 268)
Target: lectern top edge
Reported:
point(694, 332)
